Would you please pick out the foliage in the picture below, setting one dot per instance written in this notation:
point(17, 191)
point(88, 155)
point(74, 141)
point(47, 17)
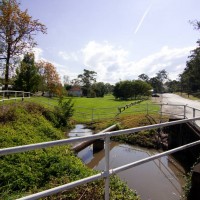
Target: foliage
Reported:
point(143, 77)
point(59, 116)
point(87, 79)
point(143, 138)
point(131, 89)
point(64, 111)
point(108, 88)
point(99, 89)
point(157, 82)
point(33, 171)
point(27, 75)
point(17, 29)
point(190, 76)
point(50, 78)
point(188, 193)
point(173, 86)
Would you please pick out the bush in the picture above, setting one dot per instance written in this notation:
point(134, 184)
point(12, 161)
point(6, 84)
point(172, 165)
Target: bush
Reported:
point(33, 171)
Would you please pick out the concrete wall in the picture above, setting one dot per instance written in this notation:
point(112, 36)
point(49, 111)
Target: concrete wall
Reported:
point(182, 134)
point(179, 135)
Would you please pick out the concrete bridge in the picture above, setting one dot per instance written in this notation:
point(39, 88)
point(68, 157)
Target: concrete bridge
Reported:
point(181, 134)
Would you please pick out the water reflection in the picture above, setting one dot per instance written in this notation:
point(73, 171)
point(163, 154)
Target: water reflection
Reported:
point(79, 131)
point(155, 180)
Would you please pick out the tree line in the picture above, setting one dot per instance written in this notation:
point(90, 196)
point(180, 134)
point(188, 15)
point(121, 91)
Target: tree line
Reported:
point(17, 31)
point(37, 76)
point(189, 79)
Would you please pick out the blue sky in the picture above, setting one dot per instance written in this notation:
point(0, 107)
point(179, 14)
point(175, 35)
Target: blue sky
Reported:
point(118, 39)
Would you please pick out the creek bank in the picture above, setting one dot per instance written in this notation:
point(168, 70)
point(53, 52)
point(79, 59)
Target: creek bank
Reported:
point(139, 178)
point(41, 169)
point(165, 138)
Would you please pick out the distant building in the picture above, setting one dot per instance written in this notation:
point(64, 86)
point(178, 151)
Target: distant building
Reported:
point(75, 91)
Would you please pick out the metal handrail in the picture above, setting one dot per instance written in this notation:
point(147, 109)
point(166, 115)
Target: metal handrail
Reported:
point(23, 148)
point(107, 172)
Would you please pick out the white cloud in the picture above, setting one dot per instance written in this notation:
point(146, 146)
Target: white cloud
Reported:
point(68, 56)
point(105, 59)
point(113, 64)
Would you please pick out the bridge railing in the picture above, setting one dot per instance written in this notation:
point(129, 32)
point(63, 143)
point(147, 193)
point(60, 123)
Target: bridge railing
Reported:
point(173, 110)
point(107, 170)
point(181, 111)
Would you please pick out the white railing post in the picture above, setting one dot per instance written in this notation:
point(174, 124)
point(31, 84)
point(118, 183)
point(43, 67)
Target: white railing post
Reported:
point(184, 111)
point(193, 115)
point(92, 114)
point(193, 112)
point(23, 96)
point(161, 112)
point(107, 166)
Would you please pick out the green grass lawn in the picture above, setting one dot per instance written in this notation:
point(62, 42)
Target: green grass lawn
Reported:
point(95, 109)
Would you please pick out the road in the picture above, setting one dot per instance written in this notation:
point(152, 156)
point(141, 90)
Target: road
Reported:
point(176, 106)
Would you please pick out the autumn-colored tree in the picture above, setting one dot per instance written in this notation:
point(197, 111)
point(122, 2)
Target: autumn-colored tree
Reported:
point(50, 78)
point(17, 29)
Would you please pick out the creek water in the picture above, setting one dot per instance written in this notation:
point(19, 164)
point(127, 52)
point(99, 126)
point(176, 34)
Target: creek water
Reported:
point(161, 179)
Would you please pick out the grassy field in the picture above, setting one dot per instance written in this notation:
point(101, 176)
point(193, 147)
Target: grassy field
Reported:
point(95, 109)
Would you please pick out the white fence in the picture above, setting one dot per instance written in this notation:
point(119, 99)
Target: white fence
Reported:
point(108, 171)
point(13, 95)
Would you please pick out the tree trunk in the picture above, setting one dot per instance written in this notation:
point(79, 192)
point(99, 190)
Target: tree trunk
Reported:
point(7, 68)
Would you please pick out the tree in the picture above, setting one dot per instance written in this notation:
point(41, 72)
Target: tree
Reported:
point(131, 89)
point(99, 89)
point(27, 75)
point(190, 77)
point(157, 82)
point(17, 29)
point(173, 86)
point(196, 24)
point(50, 80)
point(87, 79)
point(162, 75)
point(143, 77)
point(117, 92)
point(108, 88)
point(141, 88)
